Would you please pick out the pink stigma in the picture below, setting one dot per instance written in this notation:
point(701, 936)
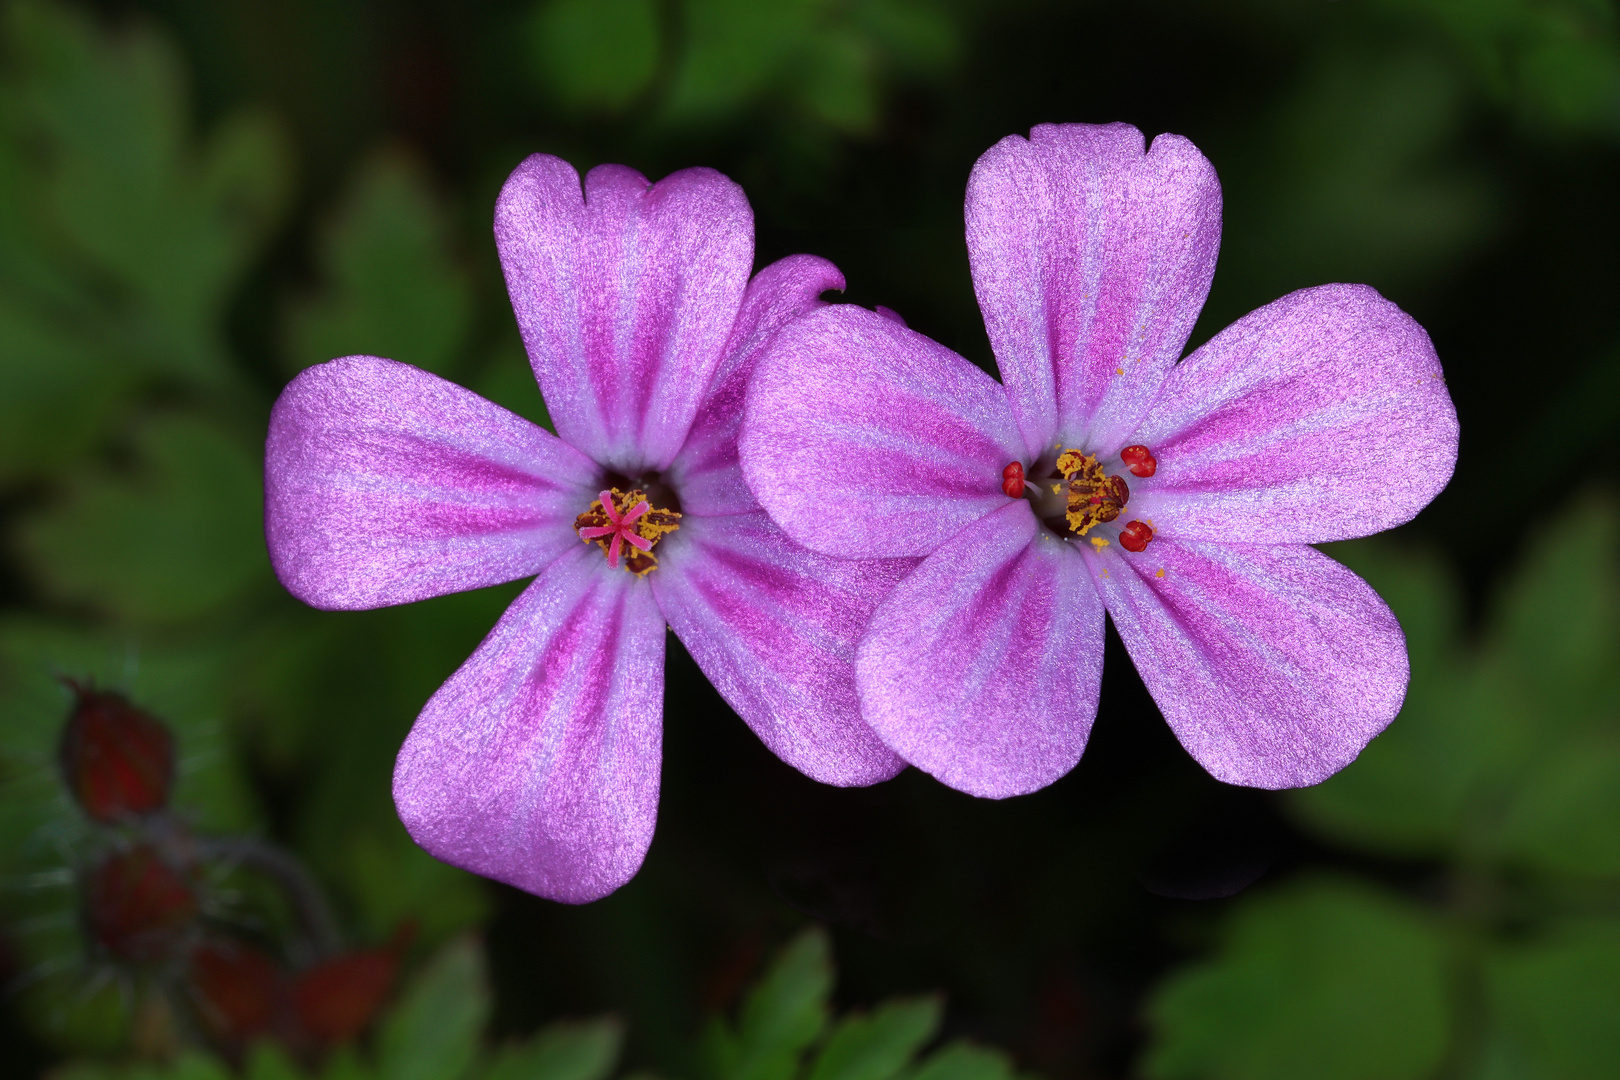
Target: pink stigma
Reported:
point(623, 528)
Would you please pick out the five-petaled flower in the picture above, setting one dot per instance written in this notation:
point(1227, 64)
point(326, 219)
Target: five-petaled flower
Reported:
point(537, 762)
point(1103, 474)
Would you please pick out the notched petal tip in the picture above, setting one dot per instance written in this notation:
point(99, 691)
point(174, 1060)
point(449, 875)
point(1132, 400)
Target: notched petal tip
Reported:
point(625, 293)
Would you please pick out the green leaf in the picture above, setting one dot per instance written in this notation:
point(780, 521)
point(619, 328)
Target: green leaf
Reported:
point(1357, 182)
point(824, 60)
point(1555, 62)
point(1565, 816)
point(345, 1063)
point(393, 881)
point(1409, 792)
point(152, 230)
point(583, 1050)
point(878, 1046)
point(508, 381)
point(1324, 979)
point(268, 1061)
point(393, 284)
point(596, 55)
point(1552, 1004)
point(56, 389)
point(433, 1034)
point(1557, 619)
point(781, 1016)
point(1508, 752)
point(961, 1060)
point(177, 537)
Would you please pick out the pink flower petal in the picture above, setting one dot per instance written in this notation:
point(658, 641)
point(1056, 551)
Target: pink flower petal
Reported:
point(1091, 261)
point(1321, 416)
point(983, 666)
point(537, 762)
point(625, 294)
point(385, 484)
point(774, 627)
point(864, 439)
point(706, 471)
point(1274, 665)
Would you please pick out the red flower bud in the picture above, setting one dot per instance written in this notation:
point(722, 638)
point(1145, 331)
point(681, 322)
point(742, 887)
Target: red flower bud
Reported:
point(239, 991)
point(117, 760)
point(137, 907)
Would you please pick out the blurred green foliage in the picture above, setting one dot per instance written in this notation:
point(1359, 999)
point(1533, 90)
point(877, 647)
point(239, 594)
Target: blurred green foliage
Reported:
point(1504, 769)
point(785, 1031)
point(822, 63)
point(393, 285)
point(122, 235)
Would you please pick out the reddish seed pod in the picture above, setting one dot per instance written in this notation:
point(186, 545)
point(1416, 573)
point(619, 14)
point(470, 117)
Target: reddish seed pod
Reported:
point(1139, 460)
point(1135, 536)
point(117, 760)
point(337, 999)
point(239, 991)
point(1012, 480)
point(137, 907)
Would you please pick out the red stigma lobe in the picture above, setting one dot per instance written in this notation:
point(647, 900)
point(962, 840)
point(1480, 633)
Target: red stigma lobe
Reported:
point(620, 527)
point(1012, 480)
point(1140, 460)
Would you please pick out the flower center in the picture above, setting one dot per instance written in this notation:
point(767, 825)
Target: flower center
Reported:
point(625, 523)
point(1078, 495)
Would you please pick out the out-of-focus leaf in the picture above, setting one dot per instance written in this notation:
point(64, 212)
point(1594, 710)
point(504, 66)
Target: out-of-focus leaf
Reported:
point(56, 389)
point(1555, 636)
point(1363, 190)
point(178, 537)
point(268, 1061)
point(153, 229)
point(508, 381)
point(1325, 979)
point(393, 285)
point(596, 55)
point(393, 881)
point(191, 1065)
point(1556, 62)
point(879, 1045)
point(964, 1061)
point(1565, 816)
point(1552, 1005)
point(76, 1015)
point(780, 1017)
point(1506, 751)
point(1557, 620)
point(345, 1063)
point(822, 59)
point(584, 1050)
point(433, 1034)
point(1409, 791)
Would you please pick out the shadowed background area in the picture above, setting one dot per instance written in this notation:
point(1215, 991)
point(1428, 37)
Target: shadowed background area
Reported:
point(199, 199)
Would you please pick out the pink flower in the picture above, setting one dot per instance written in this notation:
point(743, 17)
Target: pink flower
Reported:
point(1102, 474)
point(537, 762)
